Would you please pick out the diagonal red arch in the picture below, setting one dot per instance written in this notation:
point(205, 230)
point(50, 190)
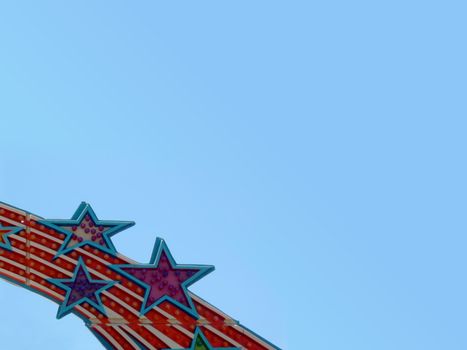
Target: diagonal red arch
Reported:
point(30, 263)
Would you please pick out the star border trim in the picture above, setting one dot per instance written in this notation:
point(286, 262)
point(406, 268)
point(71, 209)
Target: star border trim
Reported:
point(83, 210)
point(6, 244)
point(159, 247)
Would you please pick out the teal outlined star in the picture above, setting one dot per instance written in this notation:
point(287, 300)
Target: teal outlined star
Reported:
point(200, 342)
point(81, 288)
point(5, 233)
point(85, 228)
point(164, 279)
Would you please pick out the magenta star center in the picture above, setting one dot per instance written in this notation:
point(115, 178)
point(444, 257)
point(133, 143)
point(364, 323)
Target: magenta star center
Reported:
point(82, 288)
point(163, 280)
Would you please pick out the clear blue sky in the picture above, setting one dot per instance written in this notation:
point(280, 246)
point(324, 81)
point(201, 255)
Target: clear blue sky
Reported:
point(314, 152)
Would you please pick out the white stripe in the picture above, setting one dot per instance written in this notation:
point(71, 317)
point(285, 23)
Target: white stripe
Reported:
point(172, 319)
point(43, 247)
point(95, 257)
point(47, 290)
point(138, 337)
point(39, 274)
point(254, 337)
point(14, 210)
point(45, 262)
point(13, 222)
point(184, 330)
point(12, 275)
point(114, 317)
point(172, 344)
point(19, 238)
point(223, 336)
point(42, 288)
point(18, 251)
point(133, 294)
point(45, 235)
point(209, 306)
point(108, 337)
point(12, 262)
point(124, 335)
point(20, 212)
point(235, 323)
point(121, 302)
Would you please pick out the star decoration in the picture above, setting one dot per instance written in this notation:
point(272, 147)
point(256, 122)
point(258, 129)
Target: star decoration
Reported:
point(5, 233)
point(81, 288)
point(201, 343)
point(164, 279)
point(85, 228)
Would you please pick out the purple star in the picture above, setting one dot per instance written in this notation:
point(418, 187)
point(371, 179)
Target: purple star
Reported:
point(81, 288)
point(164, 279)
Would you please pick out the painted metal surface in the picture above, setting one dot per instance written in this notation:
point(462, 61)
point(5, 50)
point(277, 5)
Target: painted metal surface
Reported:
point(125, 304)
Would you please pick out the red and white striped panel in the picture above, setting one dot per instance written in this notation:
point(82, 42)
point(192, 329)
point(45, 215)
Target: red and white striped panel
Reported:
point(30, 264)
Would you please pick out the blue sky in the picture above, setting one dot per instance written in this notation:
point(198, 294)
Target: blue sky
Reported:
point(314, 152)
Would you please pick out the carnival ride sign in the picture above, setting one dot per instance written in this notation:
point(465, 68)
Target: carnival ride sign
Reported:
point(125, 304)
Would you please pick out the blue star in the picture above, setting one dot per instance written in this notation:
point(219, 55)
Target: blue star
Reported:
point(201, 343)
point(85, 228)
point(164, 279)
point(81, 288)
point(5, 233)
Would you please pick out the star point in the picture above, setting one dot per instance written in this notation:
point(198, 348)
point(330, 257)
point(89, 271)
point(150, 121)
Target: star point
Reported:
point(200, 342)
point(5, 233)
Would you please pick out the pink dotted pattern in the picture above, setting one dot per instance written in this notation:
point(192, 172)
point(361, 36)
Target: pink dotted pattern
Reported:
point(87, 230)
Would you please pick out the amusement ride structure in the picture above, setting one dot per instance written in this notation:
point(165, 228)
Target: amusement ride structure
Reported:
point(125, 304)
